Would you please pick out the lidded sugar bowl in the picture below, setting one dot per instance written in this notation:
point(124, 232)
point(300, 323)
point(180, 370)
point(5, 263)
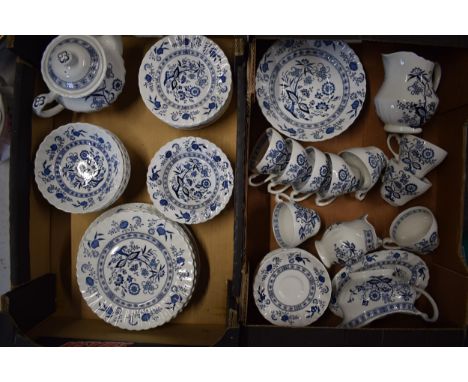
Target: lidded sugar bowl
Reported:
point(83, 73)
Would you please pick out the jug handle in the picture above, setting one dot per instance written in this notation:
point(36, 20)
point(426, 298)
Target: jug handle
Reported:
point(42, 100)
point(435, 309)
point(389, 144)
point(436, 75)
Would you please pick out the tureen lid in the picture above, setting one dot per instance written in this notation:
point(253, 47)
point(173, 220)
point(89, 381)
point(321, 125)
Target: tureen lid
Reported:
point(73, 66)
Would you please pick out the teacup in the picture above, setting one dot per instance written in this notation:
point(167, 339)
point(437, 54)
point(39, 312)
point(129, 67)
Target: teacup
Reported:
point(347, 242)
point(293, 224)
point(369, 162)
point(417, 155)
point(341, 179)
point(400, 186)
point(296, 170)
point(415, 229)
point(270, 156)
point(318, 174)
point(373, 294)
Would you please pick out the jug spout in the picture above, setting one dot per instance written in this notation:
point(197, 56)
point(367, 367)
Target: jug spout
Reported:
point(112, 43)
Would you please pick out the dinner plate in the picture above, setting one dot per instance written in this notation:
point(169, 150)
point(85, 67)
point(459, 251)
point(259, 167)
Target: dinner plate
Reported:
point(291, 287)
point(190, 180)
point(135, 269)
point(81, 168)
point(310, 90)
point(185, 81)
point(406, 265)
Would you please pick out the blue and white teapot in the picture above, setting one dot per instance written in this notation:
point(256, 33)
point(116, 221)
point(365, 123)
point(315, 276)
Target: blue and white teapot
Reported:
point(83, 73)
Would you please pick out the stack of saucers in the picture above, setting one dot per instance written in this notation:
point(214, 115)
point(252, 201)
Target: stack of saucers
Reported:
point(136, 269)
point(186, 81)
point(81, 168)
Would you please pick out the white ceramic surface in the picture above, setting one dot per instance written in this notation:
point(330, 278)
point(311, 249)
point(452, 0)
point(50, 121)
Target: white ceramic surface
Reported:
point(347, 242)
point(291, 288)
point(293, 224)
point(417, 155)
point(377, 293)
point(407, 100)
point(190, 180)
point(400, 186)
point(136, 269)
point(369, 162)
point(270, 156)
point(414, 229)
point(341, 179)
point(83, 73)
point(185, 81)
point(81, 168)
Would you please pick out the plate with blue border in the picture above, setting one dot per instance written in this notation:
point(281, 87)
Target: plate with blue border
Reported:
point(291, 287)
point(136, 269)
point(185, 81)
point(190, 180)
point(310, 90)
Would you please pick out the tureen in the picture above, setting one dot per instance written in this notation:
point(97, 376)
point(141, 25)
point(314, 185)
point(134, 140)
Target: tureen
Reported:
point(83, 74)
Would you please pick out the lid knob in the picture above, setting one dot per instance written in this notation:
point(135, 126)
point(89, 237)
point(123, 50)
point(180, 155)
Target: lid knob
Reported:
point(70, 62)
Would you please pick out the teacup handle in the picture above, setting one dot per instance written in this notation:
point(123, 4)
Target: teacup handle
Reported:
point(436, 76)
point(42, 100)
point(296, 198)
point(272, 190)
point(435, 309)
point(390, 244)
point(281, 197)
point(389, 144)
point(360, 195)
point(257, 184)
point(324, 202)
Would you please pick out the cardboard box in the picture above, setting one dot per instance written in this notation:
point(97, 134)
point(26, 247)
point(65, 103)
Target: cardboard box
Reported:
point(54, 236)
point(448, 272)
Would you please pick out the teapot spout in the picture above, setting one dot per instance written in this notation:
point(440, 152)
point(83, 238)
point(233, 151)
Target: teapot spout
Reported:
point(112, 43)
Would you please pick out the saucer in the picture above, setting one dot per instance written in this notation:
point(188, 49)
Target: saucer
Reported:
point(406, 264)
point(291, 287)
point(190, 180)
point(310, 90)
point(185, 81)
point(135, 269)
point(81, 168)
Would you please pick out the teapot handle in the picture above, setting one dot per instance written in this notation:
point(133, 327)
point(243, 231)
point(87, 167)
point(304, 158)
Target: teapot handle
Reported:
point(389, 144)
point(435, 309)
point(42, 100)
point(436, 75)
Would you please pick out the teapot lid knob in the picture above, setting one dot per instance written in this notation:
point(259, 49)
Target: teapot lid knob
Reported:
point(73, 66)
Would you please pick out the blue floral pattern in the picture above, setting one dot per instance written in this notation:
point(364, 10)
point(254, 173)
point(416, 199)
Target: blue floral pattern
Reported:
point(293, 262)
point(107, 92)
point(416, 155)
point(406, 266)
point(185, 80)
point(415, 114)
point(134, 262)
point(397, 183)
point(78, 167)
point(190, 180)
point(310, 90)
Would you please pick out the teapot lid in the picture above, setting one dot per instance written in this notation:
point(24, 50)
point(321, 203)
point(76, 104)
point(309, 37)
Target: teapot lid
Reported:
point(73, 66)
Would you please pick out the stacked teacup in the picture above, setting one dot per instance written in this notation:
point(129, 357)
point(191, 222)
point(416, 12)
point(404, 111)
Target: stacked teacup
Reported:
point(404, 178)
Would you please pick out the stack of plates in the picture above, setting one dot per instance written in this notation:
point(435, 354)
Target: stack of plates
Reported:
point(186, 81)
point(82, 168)
point(136, 269)
point(190, 180)
point(291, 287)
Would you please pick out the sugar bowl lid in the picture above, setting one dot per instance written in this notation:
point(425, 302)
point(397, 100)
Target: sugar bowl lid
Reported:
point(73, 66)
